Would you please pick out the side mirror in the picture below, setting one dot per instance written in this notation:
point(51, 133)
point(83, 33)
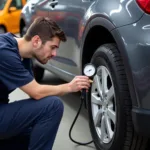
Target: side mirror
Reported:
point(11, 9)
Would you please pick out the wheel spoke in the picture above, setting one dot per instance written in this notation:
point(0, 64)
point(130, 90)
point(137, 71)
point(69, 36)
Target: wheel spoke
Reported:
point(110, 94)
point(108, 127)
point(112, 115)
point(104, 81)
point(98, 85)
point(97, 119)
point(96, 100)
point(103, 130)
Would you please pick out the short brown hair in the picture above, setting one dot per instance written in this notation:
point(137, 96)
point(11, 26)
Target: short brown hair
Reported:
point(46, 29)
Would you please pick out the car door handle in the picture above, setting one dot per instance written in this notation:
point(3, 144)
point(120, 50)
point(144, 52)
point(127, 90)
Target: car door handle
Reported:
point(53, 4)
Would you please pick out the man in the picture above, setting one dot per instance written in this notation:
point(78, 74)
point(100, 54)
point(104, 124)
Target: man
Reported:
point(38, 117)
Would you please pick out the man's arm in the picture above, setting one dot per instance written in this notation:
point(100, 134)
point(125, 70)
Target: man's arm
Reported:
point(38, 91)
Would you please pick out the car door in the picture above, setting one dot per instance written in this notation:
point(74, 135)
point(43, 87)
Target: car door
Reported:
point(69, 16)
point(13, 17)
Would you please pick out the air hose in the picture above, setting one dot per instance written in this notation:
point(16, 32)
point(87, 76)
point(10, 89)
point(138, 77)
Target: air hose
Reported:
point(83, 96)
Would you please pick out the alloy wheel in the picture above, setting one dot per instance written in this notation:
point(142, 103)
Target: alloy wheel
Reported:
point(103, 104)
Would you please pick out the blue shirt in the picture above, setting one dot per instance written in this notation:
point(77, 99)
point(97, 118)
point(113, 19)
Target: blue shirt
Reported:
point(14, 72)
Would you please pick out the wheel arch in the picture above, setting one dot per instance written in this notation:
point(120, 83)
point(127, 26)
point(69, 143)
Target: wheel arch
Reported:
point(98, 26)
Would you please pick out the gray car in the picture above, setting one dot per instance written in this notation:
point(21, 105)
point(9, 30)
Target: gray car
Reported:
point(114, 35)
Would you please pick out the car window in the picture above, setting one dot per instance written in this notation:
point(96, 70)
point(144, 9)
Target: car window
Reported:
point(2, 4)
point(17, 4)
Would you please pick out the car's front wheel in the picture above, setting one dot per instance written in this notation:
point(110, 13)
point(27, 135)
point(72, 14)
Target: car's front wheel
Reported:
point(109, 105)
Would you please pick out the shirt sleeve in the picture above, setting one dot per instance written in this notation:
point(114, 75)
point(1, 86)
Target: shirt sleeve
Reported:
point(12, 71)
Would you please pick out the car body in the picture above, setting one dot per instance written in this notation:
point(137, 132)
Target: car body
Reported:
point(114, 36)
point(10, 11)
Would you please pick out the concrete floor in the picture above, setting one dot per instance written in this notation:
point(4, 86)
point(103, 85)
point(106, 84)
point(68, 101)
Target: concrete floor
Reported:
point(71, 104)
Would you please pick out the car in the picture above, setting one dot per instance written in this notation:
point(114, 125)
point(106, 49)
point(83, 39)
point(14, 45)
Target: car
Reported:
point(10, 11)
point(113, 35)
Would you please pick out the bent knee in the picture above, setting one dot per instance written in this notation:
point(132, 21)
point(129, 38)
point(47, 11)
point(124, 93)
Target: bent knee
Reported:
point(58, 104)
point(54, 103)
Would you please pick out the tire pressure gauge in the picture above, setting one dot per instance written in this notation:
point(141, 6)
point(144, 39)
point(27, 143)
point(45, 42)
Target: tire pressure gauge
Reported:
point(89, 70)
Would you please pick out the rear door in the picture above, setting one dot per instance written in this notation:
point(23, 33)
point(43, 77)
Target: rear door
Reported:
point(69, 16)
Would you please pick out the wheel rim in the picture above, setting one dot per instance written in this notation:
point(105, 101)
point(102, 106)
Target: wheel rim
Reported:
point(103, 105)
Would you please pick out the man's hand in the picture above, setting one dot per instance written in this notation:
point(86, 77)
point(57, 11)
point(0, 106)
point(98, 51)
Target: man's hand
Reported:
point(79, 83)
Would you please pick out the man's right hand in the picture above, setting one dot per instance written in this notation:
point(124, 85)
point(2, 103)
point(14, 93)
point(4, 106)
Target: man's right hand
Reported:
point(79, 83)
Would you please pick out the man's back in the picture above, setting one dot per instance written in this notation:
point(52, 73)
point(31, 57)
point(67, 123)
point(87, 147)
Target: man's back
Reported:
point(11, 66)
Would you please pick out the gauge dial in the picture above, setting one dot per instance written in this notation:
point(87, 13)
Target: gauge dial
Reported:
point(89, 70)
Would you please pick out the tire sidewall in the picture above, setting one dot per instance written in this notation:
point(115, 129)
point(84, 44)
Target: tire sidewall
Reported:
point(103, 57)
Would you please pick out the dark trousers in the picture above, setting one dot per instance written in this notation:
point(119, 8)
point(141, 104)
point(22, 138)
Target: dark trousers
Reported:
point(30, 124)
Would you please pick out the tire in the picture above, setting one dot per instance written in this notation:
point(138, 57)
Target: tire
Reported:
point(112, 105)
point(38, 73)
point(23, 31)
point(2, 30)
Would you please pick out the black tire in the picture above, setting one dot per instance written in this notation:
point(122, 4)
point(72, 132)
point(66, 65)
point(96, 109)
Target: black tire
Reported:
point(124, 137)
point(2, 30)
point(22, 30)
point(38, 73)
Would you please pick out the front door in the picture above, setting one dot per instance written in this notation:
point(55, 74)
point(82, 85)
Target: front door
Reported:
point(69, 15)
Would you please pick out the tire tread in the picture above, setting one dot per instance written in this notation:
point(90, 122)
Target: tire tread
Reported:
point(132, 140)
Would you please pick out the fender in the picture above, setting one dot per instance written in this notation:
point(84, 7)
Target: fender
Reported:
point(120, 43)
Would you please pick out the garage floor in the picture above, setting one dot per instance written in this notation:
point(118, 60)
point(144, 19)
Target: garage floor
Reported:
point(71, 104)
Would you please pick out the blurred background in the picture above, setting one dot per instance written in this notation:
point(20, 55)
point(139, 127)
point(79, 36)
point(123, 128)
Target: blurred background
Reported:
point(10, 11)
